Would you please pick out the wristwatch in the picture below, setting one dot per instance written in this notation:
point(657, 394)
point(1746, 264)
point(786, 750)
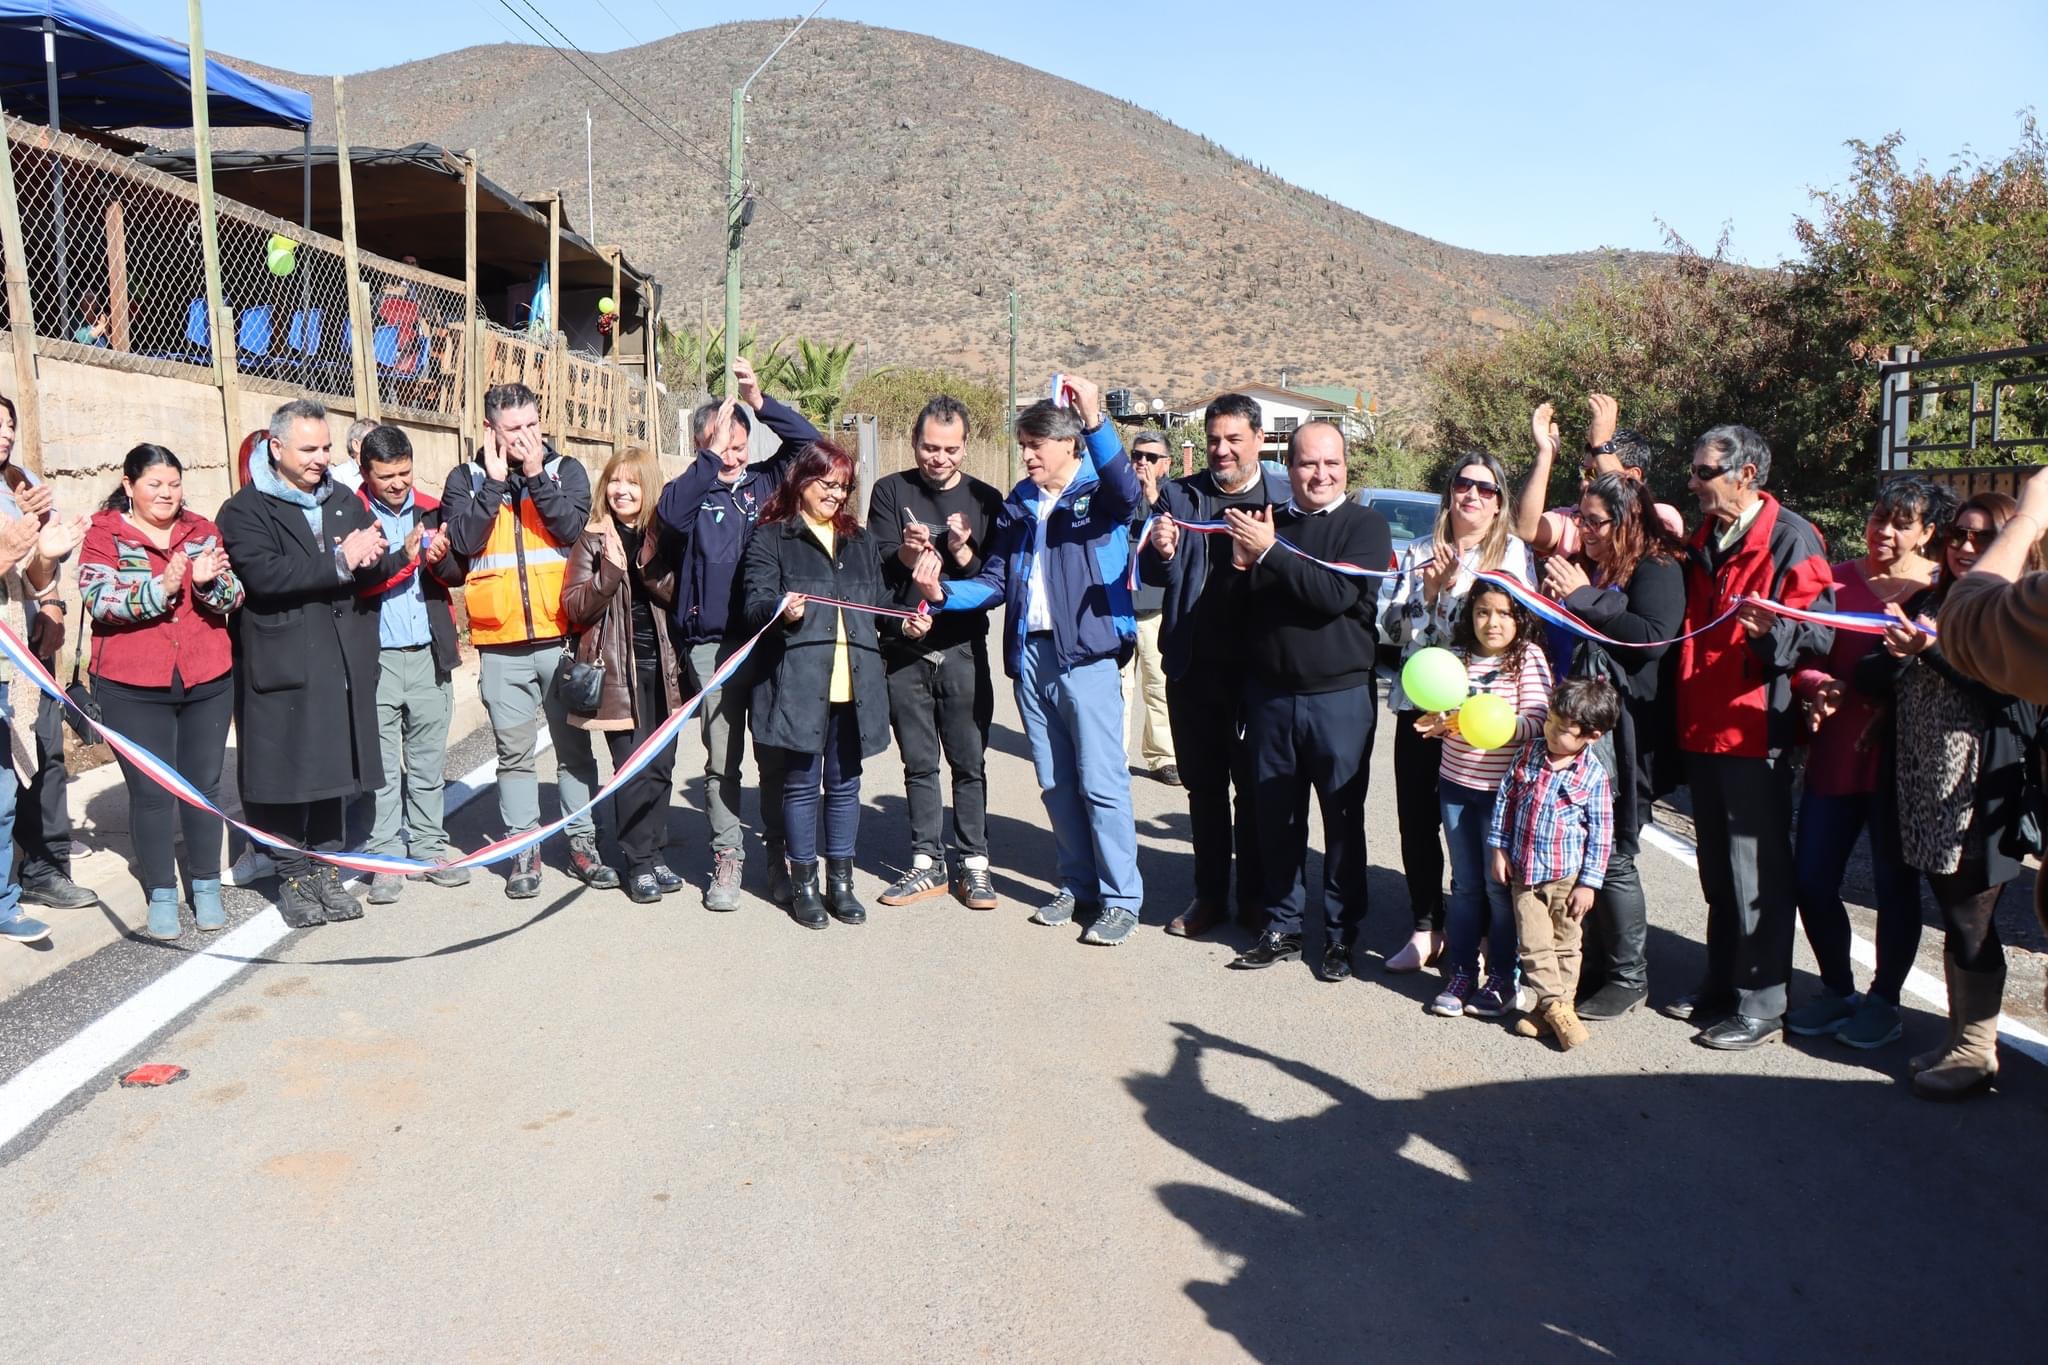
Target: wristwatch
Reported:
point(1606, 447)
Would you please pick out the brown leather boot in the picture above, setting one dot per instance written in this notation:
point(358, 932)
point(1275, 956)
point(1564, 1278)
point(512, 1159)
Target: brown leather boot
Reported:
point(1972, 1064)
point(1563, 1023)
point(1933, 1056)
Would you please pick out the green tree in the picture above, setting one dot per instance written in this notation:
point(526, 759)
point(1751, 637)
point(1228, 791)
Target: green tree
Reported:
point(689, 358)
point(895, 397)
point(814, 378)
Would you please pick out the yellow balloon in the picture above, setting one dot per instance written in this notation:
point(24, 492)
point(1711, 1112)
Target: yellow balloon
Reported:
point(1486, 721)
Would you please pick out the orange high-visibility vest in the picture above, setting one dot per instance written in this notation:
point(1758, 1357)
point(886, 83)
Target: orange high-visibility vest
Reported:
point(513, 592)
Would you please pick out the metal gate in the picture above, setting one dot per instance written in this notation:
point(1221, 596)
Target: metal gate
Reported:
point(1976, 448)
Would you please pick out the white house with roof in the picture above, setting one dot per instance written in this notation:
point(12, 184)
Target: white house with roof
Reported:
point(1284, 409)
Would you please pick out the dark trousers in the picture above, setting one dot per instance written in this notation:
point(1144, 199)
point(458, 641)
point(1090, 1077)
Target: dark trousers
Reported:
point(640, 807)
point(1828, 829)
point(189, 731)
point(1616, 943)
point(1206, 709)
point(944, 703)
point(42, 821)
point(1742, 808)
point(1417, 762)
point(1320, 741)
point(315, 825)
point(830, 779)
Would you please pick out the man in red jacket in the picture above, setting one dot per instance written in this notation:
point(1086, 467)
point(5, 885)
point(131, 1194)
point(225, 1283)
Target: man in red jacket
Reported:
point(1736, 725)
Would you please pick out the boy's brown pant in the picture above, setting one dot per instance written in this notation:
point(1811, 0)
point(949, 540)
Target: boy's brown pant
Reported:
point(1550, 939)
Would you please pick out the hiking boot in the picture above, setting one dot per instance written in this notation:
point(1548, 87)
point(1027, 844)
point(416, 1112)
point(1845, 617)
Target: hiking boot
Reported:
point(163, 913)
point(22, 929)
point(207, 911)
point(297, 904)
point(1111, 927)
point(724, 891)
point(1875, 1023)
point(1823, 1015)
point(806, 906)
point(336, 904)
point(57, 891)
point(780, 891)
point(1530, 1025)
point(445, 876)
point(386, 888)
point(839, 897)
point(1563, 1023)
point(587, 866)
point(975, 888)
point(524, 883)
point(924, 880)
point(643, 889)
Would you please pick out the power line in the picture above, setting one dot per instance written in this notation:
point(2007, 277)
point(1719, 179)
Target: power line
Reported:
point(620, 22)
point(666, 15)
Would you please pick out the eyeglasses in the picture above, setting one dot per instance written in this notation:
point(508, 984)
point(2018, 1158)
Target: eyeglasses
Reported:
point(1462, 484)
point(1707, 473)
point(832, 486)
point(1587, 523)
point(1970, 537)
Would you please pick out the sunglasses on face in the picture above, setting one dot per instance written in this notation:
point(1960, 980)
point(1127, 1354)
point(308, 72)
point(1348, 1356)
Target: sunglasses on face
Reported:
point(1970, 537)
point(1462, 484)
point(1707, 473)
point(1153, 456)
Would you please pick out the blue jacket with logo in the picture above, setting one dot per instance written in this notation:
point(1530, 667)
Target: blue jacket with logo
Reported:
point(1088, 558)
point(713, 521)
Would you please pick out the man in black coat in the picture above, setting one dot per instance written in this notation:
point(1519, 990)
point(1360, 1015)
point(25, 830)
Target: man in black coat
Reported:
point(1310, 643)
point(305, 654)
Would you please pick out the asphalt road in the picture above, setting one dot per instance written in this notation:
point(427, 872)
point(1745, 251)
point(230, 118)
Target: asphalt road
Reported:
point(578, 1129)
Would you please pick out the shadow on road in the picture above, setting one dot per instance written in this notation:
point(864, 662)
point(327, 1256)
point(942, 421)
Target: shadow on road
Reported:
point(1644, 1217)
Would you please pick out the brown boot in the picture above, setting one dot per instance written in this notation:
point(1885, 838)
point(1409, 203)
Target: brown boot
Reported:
point(1955, 1028)
point(1530, 1026)
point(1972, 1064)
point(1563, 1022)
point(1197, 920)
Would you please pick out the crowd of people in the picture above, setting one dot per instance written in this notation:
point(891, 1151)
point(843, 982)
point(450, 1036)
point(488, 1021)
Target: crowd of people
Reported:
point(1221, 613)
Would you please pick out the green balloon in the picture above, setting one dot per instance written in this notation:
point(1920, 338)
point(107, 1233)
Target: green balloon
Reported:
point(281, 255)
point(1435, 679)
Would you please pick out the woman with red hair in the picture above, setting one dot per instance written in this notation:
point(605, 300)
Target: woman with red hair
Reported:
point(820, 692)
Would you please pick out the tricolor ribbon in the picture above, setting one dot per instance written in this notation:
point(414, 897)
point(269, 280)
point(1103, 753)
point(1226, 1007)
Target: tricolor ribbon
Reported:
point(174, 782)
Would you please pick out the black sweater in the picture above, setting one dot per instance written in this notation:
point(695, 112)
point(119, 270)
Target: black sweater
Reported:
point(907, 496)
point(1308, 628)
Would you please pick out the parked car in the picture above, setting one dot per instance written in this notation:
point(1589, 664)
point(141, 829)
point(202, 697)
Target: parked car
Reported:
point(1410, 516)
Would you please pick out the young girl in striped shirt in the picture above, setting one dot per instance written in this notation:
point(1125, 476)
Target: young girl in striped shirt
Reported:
point(1502, 645)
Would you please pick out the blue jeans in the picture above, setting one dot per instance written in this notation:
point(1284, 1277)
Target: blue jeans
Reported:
point(1828, 828)
point(10, 882)
point(1478, 905)
point(1074, 721)
point(835, 774)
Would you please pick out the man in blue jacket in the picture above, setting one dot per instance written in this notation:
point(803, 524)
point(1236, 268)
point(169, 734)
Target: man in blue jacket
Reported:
point(1202, 646)
point(1060, 558)
point(711, 508)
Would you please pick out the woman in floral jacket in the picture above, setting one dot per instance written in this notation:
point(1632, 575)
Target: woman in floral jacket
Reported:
point(158, 591)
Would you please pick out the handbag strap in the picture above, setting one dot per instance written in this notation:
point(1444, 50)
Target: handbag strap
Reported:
point(78, 644)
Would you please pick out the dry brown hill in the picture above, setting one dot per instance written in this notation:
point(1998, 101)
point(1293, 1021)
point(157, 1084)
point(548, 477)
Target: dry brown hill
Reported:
point(913, 181)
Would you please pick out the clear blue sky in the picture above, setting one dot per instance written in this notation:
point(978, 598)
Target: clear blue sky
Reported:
point(1500, 126)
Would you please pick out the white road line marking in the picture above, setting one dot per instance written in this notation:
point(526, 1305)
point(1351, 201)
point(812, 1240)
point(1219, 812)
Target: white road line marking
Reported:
point(2019, 1036)
point(50, 1079)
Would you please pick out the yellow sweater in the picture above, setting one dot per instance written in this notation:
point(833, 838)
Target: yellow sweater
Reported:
point(842, 662)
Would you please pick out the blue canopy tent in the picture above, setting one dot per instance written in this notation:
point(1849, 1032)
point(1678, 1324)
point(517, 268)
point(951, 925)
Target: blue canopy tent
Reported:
point(78, 62)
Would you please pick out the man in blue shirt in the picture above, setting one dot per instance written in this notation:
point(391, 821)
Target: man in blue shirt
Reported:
point(416, 657)
point(1060, 558)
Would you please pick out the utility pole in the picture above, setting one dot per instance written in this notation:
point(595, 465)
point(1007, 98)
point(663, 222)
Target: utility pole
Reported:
point(739, 206)
point(1010, 419)
point(589, 178)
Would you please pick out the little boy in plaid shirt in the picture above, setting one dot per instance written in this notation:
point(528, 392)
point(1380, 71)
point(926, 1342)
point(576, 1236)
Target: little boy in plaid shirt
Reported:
point(1552, 830)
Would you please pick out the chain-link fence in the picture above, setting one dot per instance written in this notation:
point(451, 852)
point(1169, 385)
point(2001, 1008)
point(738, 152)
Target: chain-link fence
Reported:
point(117, 276)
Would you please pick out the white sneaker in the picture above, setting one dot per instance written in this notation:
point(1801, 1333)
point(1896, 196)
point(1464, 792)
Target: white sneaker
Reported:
point(253, 866)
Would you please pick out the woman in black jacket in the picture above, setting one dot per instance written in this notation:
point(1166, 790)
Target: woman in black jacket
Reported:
point(1958, 791)
point(1635, 594)
point(820, 691)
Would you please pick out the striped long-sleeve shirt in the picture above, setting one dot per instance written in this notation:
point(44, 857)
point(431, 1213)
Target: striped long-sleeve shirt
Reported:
point(1527, 690)
point(1554, 823)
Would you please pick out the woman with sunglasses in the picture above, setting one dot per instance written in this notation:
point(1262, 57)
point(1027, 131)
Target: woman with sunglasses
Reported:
point(1958, 794)
point(1901, 537)
point(1471, 534)
point(1629, 586)
point(821, 692)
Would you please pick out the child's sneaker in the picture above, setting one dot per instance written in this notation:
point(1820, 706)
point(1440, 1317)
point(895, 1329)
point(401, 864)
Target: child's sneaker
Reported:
point(1495, 998)
point(1452, 1002)
point(1563, 1022)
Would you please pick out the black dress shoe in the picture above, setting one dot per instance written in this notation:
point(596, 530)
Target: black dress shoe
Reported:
point(1269, 949)
point(668, 879)
point(1337, 962)
point(644, 888)
point(58, 892)
point(1611, 1001)
point(1701, 1007)
point(1740, 1033)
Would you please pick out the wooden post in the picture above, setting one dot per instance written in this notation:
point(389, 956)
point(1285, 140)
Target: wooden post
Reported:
point(472, 335)
point(555, 262)
point(209, 242)
point(618, 306)
point(478, 378)
point(558, 389)
point(363, 353)
point(117, 277)
point(21, 317)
